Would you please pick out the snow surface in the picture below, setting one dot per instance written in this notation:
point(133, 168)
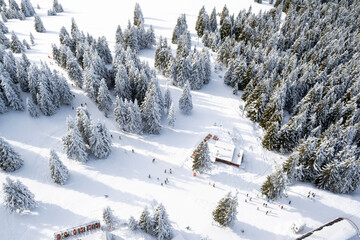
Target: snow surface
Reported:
point(123, 176)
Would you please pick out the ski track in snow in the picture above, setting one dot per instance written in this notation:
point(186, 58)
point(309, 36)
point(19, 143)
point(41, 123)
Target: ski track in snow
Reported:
point(189, 200)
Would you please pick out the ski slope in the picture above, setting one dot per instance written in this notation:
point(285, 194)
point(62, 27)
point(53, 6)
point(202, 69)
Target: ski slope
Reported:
point(123, 176)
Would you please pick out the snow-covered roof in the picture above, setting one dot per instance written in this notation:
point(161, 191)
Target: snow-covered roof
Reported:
point(221, 150)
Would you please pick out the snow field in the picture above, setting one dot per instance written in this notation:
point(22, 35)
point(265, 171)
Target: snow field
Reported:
point(123, 176)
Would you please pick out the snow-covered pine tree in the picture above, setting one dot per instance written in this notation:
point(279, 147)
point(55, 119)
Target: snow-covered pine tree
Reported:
point(185, 101)
point(110, 220)
point(157, 93)
point(122, 83)
point(171, 116)
point(119, 113)
point(83, 122)
point(39, 26)
point(15, 45)
point(202, 162)
point(151, 115)
point(4, 40)
point(73, 69)
point(104, 98)
point(9, 159)
point(145, 222)
point(17, 197)
point(180, 28)
point(10, 66)
point(150, 39)
point(118, 37)
point(225, 212)
point(26, 44)
point(27, 8)
point(32, 39)
point(3, 107)
point(91, 82)
point(100, 141)
point(202, 22)
point(12, 94)
point(141, 84)
point(45, 100)
point(58, 8)
point(275, 184)
point(73, 143)
point(167, 100)
point(58, 171)
point(138, 16)
point(162, 229)
point(132, 223)
point(32, 108)
point(66, 96)
point(213, 21)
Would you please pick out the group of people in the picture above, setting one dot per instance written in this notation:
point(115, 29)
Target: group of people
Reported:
point(165, 171)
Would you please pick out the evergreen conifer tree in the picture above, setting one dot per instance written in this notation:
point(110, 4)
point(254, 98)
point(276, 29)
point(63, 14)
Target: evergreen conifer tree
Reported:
point(73, 69)
point(151, 115)
point(213, 21)
point(15, 45)
point(58, 171)
point(31, 107)
point(275, 184)
point(100, 141)
point(161, 224)
point(132, 223)
point(73, 143)
point(185, 101)
point(109, 218)
point(167, 100)
point(32, 39)
point(202, 162)
point(145, 221)
point(17, 196)
point(225, 212)
point(39, 26)
point(138, 16)
point(171, 116)
point(83, 122)
point(9, 159)
point(104, 98)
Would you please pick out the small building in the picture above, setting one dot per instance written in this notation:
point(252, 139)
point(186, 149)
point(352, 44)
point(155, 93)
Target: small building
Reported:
point(224, 152)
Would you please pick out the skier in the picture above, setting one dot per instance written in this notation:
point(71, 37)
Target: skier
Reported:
point(289, 202)
point(149, 176)
point(132, 150)
point(165, 171)
point(214, 185)
point(267, 212)
point(170, 171)
point(153, 160)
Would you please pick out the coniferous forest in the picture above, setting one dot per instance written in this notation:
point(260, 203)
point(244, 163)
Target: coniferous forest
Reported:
point(300, 81)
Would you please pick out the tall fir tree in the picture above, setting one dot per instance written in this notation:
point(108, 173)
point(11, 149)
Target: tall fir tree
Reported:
point(162, 229)
point(32, 108)
point(185, 101)
point(15, 45)
point(225, 212)
point(58, 171)
point(145, 221)
point(104, 98)
point(73, 143)
point(109, 218)
point(202, 162)
point(39, 26)
point(100, 141)
point(10, 160)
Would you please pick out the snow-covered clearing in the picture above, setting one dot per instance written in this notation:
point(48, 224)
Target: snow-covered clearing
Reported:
point(123, 176)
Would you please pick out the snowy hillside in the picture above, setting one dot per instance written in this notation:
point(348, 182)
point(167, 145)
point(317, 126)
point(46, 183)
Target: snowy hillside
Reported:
point(122, 181)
